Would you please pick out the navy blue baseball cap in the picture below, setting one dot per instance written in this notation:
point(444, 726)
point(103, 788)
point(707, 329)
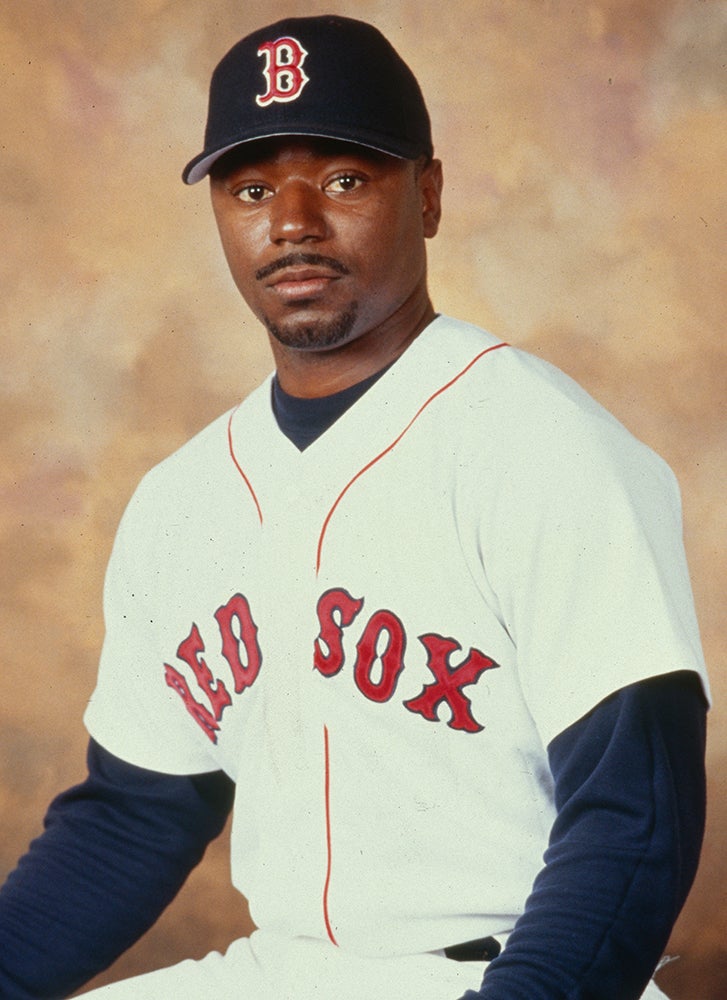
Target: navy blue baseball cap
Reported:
point(328, 76)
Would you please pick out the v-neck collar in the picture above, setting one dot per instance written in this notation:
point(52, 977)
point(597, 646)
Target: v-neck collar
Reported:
point(279, 474)
point(303, 421)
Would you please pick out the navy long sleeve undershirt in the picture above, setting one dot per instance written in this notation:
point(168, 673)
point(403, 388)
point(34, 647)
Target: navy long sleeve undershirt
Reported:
point(623, 852)
point(622, 855)
point(115, 851)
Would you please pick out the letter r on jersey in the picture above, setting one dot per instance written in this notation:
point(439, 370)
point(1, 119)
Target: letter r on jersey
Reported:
point(190, 651)
point(283, 70)
point(448, 683)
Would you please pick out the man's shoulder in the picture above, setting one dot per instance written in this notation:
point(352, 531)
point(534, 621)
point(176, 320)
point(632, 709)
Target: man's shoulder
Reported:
point(198, 464)
point(532, 407)
point(522, 382)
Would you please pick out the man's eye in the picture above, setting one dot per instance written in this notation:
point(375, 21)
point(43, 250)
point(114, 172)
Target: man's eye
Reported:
point(253, 193)
point(344, 184)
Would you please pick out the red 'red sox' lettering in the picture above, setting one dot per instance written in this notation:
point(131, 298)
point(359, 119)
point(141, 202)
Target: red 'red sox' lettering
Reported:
point(201, 715)
point(237, 609)
point(448, 682)
point(244, 674)
point(333, 604)
point(383, 623)
point(190, 651)
point(336, 611)
point(378, 666)
point(446, 689)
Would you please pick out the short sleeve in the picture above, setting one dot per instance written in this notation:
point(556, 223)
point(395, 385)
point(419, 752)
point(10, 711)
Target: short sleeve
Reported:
point(133, 712)
point(585, 549)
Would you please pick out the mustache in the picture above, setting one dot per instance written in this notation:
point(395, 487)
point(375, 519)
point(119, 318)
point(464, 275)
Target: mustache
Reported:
point(292, 259)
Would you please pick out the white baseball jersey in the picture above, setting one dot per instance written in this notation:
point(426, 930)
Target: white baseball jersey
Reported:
point(377, 637)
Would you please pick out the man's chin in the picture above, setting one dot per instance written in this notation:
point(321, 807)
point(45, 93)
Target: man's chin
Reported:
point(307, 333)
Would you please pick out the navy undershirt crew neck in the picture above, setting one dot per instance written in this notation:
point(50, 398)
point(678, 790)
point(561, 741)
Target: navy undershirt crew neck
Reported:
point(304, 420)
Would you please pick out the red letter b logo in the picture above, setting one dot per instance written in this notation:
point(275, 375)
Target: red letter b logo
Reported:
point(283, 70)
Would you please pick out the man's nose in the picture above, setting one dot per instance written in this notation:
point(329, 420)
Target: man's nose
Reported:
point(297, 215)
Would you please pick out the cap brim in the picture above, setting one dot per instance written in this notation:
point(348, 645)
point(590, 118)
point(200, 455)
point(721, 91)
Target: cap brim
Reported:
point(200, 166)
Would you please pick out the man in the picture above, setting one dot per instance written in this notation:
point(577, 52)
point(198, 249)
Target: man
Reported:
point(418, 597)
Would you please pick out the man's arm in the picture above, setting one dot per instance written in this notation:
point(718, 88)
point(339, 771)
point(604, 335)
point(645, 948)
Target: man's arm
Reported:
point(115, 851)
point(623, 852)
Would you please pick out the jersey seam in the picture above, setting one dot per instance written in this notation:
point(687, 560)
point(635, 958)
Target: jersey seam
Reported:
point(362, 471)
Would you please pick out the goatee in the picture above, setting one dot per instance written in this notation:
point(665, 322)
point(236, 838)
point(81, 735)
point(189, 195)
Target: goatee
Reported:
point(318, 333)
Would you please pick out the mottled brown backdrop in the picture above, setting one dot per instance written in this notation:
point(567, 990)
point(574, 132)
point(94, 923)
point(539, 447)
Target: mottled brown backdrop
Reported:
point(584, 146)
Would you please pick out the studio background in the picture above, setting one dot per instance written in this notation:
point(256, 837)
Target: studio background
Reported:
point(584, 148)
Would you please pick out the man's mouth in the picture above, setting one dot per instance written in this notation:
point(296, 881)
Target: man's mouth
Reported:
point(301, 281)
point(299, 277)
point(301, 274)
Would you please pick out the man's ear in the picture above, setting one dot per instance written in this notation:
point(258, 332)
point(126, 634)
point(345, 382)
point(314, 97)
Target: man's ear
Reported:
point(430, 185)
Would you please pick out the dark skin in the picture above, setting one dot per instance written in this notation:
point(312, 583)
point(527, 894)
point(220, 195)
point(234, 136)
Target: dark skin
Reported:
point(326, 243)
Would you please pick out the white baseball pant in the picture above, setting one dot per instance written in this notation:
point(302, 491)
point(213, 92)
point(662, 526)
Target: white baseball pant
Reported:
point(269, 967)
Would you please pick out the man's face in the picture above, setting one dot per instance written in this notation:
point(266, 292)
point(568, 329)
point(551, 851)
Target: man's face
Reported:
point(325, 239)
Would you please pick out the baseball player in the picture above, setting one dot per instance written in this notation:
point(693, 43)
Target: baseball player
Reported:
point(418, 600)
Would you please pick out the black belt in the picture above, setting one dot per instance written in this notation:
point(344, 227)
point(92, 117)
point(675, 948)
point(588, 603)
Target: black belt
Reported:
point(480, 950)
